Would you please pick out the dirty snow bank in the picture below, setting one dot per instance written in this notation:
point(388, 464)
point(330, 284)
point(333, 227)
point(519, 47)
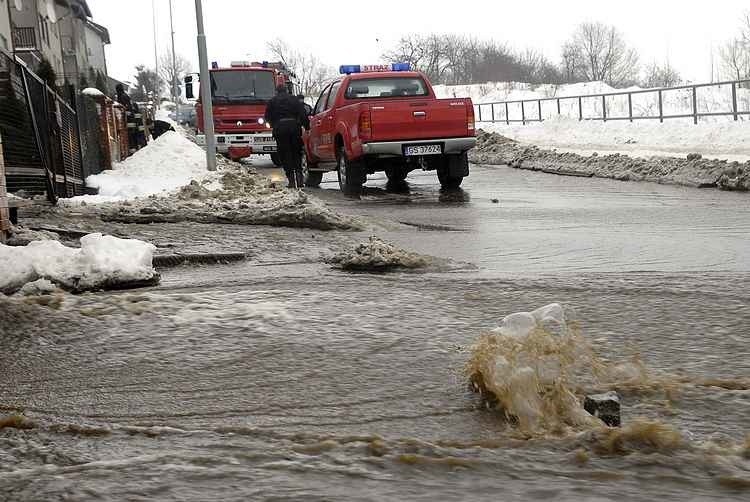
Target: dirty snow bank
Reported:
point(102, 262)
point(379, 256)
point(693, 170)
point(167, 182)
point(726, 140)
point(236, 195)
point(167, 163)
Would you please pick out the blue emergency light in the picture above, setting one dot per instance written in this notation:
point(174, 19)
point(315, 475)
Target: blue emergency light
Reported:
point(348, 69)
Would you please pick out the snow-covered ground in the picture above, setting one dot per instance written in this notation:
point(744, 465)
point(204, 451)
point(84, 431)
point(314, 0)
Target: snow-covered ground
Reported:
point(102, 261)
point(169, 162)
point(719, 137)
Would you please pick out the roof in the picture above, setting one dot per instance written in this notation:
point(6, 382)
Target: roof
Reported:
point(80, 8)
point(100, 30)
point(376, 74)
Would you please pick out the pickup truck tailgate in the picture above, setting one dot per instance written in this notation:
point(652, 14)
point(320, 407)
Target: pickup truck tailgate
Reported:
point(413, 119)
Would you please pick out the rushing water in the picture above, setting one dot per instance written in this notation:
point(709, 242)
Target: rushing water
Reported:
point(296, 382)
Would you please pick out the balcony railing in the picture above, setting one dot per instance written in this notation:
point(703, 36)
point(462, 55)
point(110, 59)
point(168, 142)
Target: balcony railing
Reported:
point(24, 38)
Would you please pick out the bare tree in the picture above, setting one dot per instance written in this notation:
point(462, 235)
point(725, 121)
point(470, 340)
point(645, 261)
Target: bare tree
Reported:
point(148, 85)
point(599, 52)
point(172, 71)
point(310, 72)
point(660, 75)
point(735, 58)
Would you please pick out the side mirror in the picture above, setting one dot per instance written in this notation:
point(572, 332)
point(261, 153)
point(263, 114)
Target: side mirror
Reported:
point(189, 87)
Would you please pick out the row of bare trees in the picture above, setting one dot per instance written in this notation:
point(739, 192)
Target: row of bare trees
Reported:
point(595, 51)
point(735, 54)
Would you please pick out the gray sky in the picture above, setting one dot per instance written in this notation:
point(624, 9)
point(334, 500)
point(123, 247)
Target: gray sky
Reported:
point(339, 34)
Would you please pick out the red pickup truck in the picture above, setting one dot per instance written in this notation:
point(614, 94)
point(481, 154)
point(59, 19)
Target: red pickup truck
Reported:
point(375, 120)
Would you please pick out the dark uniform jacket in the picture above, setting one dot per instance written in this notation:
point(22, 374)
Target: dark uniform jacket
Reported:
point(286, 106)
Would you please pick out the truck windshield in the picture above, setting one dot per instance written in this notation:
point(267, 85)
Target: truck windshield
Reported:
point(242, 86)
point(385, 87)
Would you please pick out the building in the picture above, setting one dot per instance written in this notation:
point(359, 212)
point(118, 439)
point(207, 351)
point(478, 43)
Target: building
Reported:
point(61, 32)
point(6, 36)
point(97, 36)
point(35, 36)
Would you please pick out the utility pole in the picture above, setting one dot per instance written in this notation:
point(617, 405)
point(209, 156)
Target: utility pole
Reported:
point(205, 83)
point(156, 55)
point(175, 91)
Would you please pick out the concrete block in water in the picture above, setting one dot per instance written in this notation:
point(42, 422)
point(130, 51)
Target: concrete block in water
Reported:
point(605, 407)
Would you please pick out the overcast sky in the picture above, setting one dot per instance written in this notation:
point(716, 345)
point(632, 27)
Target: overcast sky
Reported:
point(346, 32)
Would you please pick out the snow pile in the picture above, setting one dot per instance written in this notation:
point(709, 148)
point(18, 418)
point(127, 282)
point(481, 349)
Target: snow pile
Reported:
point(236, 195)
point(379, 256)
point(691, 170)
point(725, 140)
point(530, 367)
point(92, 92)
point(167, 163)
point(714, 136)
point(102, 262)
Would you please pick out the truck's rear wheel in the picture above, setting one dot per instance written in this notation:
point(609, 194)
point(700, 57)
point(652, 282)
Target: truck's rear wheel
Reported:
point(351, 174)
point(312, 178)
point(452, 169)
point(276, 159)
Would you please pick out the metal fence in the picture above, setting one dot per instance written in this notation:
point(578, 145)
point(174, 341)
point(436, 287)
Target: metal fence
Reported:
point(40, 134)
point(685, 102)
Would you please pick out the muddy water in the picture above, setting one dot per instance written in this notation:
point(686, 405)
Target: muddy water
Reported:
point(292, 381)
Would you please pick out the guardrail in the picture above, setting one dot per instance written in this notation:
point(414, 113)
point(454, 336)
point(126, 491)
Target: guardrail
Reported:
point(533, 110)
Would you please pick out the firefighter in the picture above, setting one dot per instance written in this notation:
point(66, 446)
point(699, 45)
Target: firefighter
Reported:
point(287, 116)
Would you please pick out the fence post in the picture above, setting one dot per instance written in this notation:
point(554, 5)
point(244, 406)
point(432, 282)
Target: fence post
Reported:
point(539, 106)
point(558, 107)
point(604, 108)
point(695, 105)
point(734, 101)
point(661, 107)
point(507, 116)
point(492, 109)
point(580, 108)
point(630, 107)
point(523, 113)
point(480, 112)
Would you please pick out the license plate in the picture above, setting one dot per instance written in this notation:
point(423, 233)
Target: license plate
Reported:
point(269, 148)
point(412, 150)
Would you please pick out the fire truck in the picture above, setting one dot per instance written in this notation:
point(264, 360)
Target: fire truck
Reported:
point(239, 96)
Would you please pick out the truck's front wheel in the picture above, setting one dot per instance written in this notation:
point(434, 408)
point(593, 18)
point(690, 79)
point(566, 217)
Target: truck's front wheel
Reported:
point(312, 178)
point(351, 174)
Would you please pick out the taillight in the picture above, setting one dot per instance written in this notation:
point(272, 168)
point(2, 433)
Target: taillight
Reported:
point(365, 124)
point(470, 117)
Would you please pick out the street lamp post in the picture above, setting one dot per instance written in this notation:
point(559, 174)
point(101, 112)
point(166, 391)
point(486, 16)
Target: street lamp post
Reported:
point(205, 83)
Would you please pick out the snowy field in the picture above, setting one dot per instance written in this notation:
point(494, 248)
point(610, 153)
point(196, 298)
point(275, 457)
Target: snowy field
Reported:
point(719, 137)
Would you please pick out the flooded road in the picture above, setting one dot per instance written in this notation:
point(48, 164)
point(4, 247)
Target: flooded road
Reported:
point(282, 379)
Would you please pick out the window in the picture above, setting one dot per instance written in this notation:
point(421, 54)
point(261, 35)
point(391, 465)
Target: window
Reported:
point(320, 105)
point(4, 41)
point(367, 88)
point(332, 96)
point(238, 86)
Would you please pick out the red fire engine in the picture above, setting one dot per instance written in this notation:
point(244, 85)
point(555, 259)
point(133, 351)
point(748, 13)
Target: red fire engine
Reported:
point(239, 95)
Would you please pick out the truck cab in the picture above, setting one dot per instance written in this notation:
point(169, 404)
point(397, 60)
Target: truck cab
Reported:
point(387, 118)
point(239, 96)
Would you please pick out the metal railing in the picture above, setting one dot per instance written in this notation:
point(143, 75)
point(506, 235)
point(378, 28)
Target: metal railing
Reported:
point(24, 38)
point(580, 107)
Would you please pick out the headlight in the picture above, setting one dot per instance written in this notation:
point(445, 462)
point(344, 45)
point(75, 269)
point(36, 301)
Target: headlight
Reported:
point(261, 121)
point(268, 126)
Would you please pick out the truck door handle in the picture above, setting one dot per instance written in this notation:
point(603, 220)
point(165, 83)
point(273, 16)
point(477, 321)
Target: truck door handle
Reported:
point(420, 114)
